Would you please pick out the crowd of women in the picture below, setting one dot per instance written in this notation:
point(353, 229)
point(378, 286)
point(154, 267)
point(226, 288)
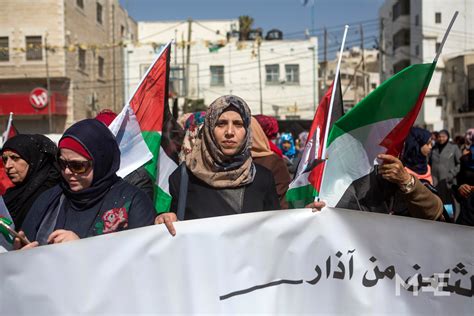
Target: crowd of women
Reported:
point(231, 163)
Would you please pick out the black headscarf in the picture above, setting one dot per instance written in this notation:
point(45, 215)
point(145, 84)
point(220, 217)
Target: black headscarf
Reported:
point(412, 157)
point(100, 143)
point(439, 145)
point(40, 154)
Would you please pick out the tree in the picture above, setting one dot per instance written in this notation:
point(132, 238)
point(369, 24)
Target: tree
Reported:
point(245, 26)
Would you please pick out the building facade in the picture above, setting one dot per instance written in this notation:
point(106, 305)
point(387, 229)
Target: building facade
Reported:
point(71, 47)
point(275, 76)
point(458, 86)
point(411, 32)
point(359, 74)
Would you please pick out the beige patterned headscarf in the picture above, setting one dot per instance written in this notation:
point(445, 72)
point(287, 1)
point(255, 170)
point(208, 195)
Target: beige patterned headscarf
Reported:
point(208, 162)
point(260, 144)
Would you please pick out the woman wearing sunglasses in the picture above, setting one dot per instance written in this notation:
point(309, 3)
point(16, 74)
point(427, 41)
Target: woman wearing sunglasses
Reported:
point(91, 199)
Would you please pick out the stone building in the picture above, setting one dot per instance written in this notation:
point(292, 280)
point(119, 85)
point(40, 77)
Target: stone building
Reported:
point(72, 47)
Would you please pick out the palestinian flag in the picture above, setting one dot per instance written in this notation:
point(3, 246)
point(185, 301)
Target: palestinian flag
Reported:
point(11, 131)
point(378, 124)
point(6, 240)
point(306, 184)
point(156, 135)
point(5, 182)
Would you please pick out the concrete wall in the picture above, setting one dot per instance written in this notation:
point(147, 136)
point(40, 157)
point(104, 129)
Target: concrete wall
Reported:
point(21, 18)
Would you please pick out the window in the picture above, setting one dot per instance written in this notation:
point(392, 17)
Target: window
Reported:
point(99, 13)
point(373, 86)
point(143, 69)
point(292, 73)
point(4, 49)
point(272, 74)
point(80, 3)
point(417, 20)
point(437, 47)
point(439, 101)
point(81, 58)
point(454, 70)
point(217, 75)
point(101, 66)
point(470, 78)
point(402, 64)
point(401, 38)
point(122, 31)
point(438, 17)
point(402, 7)
point(176, 83)
point(417, 50)
point(34, 51)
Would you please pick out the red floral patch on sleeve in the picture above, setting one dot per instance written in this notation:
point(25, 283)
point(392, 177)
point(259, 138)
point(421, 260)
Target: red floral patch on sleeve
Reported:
point(114, 219)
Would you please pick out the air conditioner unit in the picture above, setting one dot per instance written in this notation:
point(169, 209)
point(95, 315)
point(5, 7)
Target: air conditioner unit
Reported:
point(92, 98)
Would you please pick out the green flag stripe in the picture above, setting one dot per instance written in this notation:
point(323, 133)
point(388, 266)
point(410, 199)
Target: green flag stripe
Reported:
point(301, 196)
point(162, 200)
point(398, 95)
point(153, 141)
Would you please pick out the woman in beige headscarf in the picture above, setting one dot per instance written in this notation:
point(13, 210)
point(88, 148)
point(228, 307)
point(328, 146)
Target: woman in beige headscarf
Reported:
point(222, 178)
point(264, 156)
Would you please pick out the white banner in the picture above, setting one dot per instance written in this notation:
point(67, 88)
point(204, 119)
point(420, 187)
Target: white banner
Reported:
point(294, 261)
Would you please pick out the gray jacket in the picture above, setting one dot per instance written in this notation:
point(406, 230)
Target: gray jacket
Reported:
point(445, 165)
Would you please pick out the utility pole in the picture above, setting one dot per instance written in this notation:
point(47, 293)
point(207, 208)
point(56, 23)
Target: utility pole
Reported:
point(113, 60)
point(188, 58)
point(183, 63)
point(381, 51)
point(364, 78)
point(48, 84)
point(259, 42)
point(325, 76)
point(313, 49)
point(175, 47)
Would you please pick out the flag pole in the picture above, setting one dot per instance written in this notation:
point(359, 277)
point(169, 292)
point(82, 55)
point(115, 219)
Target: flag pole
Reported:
point(438, 53)
point(331, 104)
point(333, 94)
point(9, 126)
point(148, 70)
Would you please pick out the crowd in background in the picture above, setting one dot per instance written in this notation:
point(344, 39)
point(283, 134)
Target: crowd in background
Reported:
point(230, 162)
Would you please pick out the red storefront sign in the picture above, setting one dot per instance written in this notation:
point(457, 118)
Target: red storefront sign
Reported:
point(39, 98)
point(20, 104)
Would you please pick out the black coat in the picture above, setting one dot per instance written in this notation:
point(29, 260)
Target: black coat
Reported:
point(123, 207)
point(141, 179)
point(205, 201)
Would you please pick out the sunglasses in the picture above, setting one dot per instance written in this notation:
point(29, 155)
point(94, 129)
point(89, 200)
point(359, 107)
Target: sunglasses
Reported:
point(78, 167)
